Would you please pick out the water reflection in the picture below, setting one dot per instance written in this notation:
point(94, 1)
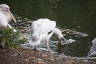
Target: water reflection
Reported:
point(68, 14)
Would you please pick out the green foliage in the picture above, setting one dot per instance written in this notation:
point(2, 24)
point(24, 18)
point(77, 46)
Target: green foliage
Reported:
point(10, 38)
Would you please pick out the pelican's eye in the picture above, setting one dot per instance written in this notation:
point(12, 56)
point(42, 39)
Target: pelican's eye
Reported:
point(49, 32)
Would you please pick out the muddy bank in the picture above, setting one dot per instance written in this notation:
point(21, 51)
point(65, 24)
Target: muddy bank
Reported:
point(28, 56)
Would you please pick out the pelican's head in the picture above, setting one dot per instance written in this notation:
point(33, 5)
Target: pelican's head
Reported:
point(6, 9)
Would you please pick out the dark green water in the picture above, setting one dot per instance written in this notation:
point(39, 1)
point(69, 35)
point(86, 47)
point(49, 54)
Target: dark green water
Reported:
point(67, 14)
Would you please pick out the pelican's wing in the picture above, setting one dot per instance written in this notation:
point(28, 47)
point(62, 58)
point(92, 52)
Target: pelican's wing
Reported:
point(47, 26)
point(43, 26)
point(34, 26)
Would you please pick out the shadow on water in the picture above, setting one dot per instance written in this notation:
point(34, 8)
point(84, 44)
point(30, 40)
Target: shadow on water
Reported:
point(78, 15)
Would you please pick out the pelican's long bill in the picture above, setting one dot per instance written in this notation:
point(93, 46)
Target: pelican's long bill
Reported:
point(12, 16)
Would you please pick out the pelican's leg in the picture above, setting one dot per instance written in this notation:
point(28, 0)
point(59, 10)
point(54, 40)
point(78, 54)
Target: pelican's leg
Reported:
point(59, 45)
point(14, 30)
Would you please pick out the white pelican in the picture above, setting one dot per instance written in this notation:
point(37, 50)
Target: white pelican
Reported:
point(42, 30)
point(5, 16)
point(92, 51)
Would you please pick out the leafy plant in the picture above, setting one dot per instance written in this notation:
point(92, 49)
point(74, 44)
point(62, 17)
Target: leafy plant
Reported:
point(10, 38)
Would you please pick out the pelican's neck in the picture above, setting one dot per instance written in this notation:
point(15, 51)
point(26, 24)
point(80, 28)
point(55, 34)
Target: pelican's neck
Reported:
point(50, 35)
